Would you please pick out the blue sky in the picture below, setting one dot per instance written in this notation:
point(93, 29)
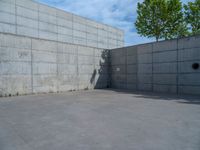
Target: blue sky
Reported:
point(118, 13)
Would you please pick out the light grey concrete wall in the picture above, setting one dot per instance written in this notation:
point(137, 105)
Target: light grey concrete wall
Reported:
point(29, 18)
point(164, 66)
point(31, 65)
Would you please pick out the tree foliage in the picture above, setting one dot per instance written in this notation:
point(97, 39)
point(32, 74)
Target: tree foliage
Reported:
point(160, 19)
point(192, 16)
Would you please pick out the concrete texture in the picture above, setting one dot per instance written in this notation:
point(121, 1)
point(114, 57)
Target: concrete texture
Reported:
point(100, 120)
point(31, 65)
point(158, 67)
point(29, 18)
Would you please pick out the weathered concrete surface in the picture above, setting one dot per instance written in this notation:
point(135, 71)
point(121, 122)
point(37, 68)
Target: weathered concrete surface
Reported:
point(30, 65)
point(29, 18)
point(164, 66)
point(100, 120)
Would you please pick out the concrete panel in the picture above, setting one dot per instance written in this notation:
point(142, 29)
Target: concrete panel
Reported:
point(48, 18)
point(67, 69)
point(44, 84)
point(145, 68)
point(165, 68)
point(86, 69)
point(131, 86)
point(165, 88)
point(27, 12)
point(41, 68)
point(14, 54)
point(15, 85)
point(189, 90)
point(119, 79)
point(165, 79)
point(131, 69)
point(131, 78)
point(79, 34)
point(64, 15)
point(67, 48)
point(145, 58)
point(48, 35)
point(15, 41)
point(64, 23)
point(79, 27)
point(85, 60)
point(66, 31)
point(27, 4)
point(47, 10)
point(48, 27)
point(189, 79)
point(186, 67)
point(115, 60)
point(80, 41)
point(132, 51)
point(132, 59)
point(44, 45)
point(189, 54)
point(41, 56)
point(85, 51)
point(119, 69)
point(167, 56)
point(92, 43)
point(144, 87)
point(190, 42)
point(7, 28)
point(65, 38)
point(27, 22)
point(15, 68)
point(67, 58)
point(6, 7)
point(147, 79)
point(165, 45)
point(144, 49)
point(7, 18)
point(27, 31)
point(91, 30)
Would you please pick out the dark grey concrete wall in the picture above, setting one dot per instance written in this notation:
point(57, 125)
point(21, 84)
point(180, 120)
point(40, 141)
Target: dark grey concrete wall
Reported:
point(30, 65)
point(159, 67)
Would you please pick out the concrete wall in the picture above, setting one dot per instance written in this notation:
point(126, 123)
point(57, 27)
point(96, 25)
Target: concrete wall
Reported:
point(31, 65)
point(29, 18)
point(159, 67)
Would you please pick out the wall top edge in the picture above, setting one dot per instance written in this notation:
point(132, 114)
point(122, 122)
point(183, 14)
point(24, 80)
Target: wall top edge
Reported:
point(40, 3)
point(162, 41)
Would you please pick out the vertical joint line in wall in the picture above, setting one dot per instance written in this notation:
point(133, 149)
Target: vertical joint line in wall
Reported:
point(126, 68)
point(57, 25)
point(152, 80)
point(15, 17)
point(177, 74)
point(77, 67)
point(38, 7)
point(31, 67)
point(137, 68)
point(57, 66)
point(94, 67)
point(73, 30)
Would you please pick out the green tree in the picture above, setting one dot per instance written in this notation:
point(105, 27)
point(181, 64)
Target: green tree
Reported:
point(192, 16)
point(175, 24)
point(160, 19)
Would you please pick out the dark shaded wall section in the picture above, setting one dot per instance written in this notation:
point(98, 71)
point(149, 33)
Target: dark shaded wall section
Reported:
point(167, 66)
